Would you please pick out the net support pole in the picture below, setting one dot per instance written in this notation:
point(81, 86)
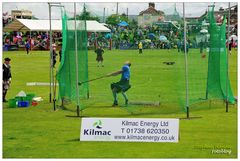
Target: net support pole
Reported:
point(104, 15)
point(76, 61)
point(52, 78)
point(229, 12)
point(117, 9)
point(95, 40)
point(186, 62)
point(85, 28)
point(51, 56)
point(30, 40)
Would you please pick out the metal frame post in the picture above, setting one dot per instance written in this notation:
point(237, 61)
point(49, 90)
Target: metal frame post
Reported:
point(51, 72)
point(51, 56)
point(186, 62)
point(104, 15)
point(76, 61)
point(229, 12)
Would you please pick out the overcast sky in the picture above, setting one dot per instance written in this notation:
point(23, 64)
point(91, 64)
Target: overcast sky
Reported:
point(40, 10)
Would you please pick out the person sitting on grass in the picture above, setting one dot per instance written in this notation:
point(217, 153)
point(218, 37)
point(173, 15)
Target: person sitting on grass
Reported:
point(123, 85)
point(99, 51)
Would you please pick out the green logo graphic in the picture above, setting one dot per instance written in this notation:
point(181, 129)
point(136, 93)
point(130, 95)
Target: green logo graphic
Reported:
point(98, 124)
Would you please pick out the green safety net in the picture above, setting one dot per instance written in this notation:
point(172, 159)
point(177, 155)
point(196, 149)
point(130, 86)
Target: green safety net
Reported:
point(190, 74)
point(206, 67)
point(71, 65)
point(218, 85)
point(197, 46)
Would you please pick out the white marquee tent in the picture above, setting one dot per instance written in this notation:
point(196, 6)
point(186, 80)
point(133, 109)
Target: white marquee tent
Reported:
point(43, 25)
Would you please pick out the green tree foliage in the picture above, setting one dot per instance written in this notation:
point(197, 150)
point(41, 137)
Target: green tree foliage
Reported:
point(87, 16)
point(133, 23)
point(114, 19)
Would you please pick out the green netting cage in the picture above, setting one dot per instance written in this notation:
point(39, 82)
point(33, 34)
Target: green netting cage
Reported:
point(207, 61)
point(218, 85)
point(74, 65)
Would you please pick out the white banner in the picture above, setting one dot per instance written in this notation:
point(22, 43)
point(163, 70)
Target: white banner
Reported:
point(129, 129)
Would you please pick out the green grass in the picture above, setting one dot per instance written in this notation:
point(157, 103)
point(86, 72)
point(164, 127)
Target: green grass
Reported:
point(40, 132)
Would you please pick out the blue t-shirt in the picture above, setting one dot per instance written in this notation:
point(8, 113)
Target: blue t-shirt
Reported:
point(126, 72)
point(27, 45)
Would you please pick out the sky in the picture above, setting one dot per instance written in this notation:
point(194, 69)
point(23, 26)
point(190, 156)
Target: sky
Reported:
point(40, 9)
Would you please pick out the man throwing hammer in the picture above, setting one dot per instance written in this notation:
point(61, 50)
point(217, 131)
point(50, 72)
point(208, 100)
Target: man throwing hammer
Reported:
point(123, 85)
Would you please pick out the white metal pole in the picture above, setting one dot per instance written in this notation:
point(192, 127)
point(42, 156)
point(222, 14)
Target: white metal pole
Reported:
point(104, 15)
point(30, 40)
point(85, 30)
point(52, 79)
point(76, 61)
point(51, 56)
point(117, 9)
point(186, 61)
point(229, 12)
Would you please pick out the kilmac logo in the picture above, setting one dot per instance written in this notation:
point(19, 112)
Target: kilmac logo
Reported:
point(98, 124)
point(97, 130)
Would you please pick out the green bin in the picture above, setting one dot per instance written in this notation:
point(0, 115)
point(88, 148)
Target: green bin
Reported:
point(29, 97)
point(12, 103)
point(19, 98)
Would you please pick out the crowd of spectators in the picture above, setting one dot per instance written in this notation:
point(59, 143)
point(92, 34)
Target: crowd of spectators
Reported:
point(129, 38)
point(37, 40)
point(119, 38)
point(125, 37)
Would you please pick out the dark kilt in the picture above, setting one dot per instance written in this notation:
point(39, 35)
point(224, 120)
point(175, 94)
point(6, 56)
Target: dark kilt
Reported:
point(99, 57)
point(121, 86)
point(230, 47)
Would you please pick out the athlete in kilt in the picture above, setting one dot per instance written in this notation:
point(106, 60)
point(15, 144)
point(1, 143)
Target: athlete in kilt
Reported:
point(123, 85)
point(6, 77)
point(99, 51)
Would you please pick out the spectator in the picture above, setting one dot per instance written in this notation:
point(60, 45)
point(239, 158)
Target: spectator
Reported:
point(99, 51)
point(60, 55)
point(54, 56)
point(230, 46)
point(27, 46)
point(7, 76)
point(140, 47)
point(179, 45)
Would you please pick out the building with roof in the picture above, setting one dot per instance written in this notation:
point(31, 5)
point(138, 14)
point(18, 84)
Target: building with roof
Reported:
point(196, 22)
point(150, 16)
point(23, 14)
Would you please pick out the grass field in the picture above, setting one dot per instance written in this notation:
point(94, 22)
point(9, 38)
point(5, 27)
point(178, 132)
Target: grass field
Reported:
point(40, 132)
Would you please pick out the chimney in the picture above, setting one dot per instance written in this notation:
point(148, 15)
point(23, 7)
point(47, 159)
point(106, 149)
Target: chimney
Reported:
point(151, 4)
point(221, 9)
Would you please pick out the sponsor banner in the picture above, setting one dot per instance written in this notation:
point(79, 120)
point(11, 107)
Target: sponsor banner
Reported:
point(129, 129)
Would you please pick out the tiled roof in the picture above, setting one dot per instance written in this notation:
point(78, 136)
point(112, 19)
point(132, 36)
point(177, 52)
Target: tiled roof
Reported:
point(151, 11)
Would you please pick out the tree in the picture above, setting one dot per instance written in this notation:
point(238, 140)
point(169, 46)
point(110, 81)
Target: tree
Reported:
point(86, 16)
point(124, 17)
point(133, 24)
point(114, 19)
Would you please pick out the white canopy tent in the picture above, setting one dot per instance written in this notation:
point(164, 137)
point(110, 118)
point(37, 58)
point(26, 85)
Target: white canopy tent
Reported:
point(43, 25)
